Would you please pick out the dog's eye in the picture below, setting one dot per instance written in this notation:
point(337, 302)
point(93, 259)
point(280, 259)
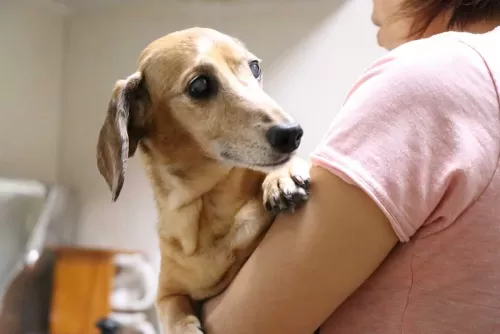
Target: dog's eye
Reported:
point(255, 68)
point(202, 87)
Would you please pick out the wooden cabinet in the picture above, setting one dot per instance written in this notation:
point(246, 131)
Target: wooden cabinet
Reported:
point(82, 285)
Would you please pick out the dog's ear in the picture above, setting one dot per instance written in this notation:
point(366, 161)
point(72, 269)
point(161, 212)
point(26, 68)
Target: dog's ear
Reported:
point(124, 126)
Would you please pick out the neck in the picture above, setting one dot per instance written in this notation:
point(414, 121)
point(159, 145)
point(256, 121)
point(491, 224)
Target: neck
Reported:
point(482, 27)
point(187, 176)
point(439, 25)
point(177, 186)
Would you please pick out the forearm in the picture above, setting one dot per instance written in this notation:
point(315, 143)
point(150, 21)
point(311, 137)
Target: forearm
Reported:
point(307, 265)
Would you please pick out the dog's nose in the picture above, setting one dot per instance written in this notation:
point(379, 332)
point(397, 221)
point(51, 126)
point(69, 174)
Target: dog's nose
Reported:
point(285, 137)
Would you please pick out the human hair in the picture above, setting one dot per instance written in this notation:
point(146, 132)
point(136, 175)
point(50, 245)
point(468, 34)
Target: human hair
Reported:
point(462, 12)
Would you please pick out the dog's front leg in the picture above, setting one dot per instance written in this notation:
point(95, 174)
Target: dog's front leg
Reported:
point(177, 315)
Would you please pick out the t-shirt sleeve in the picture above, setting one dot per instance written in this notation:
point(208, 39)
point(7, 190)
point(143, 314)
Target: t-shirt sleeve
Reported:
point(419, 133)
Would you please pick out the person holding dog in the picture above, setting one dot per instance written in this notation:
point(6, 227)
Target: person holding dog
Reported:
point(401, 233)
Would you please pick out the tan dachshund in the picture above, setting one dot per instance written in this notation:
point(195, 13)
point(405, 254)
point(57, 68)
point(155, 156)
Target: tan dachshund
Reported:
point(220, 154)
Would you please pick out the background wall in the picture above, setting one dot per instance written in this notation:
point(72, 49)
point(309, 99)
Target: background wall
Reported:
point(31, 58)
point(31, 65)
point(313, 51)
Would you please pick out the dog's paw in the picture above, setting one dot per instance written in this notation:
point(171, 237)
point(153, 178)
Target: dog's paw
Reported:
point(286, 188)
point(192, 329)
point(189, 325)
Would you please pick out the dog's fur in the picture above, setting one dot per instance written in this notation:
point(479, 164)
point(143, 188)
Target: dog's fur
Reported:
point(212, 169)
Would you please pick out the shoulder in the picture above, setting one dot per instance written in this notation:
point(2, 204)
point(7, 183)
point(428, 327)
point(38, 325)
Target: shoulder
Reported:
point(418, 117)
point(428, 70)
point(442, 53)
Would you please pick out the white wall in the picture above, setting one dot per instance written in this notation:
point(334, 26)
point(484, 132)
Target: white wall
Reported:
point(31, 64)
point(312, 55)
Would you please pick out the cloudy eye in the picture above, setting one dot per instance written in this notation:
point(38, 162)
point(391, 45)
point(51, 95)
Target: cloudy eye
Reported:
point(202, 87)
point(255, 68)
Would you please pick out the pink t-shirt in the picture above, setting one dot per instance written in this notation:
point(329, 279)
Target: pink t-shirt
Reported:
point(420, 134)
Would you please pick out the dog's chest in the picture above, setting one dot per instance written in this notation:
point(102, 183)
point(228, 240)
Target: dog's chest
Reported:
point(206, 250)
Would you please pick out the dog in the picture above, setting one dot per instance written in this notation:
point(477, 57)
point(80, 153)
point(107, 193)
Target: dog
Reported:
point(220, 154)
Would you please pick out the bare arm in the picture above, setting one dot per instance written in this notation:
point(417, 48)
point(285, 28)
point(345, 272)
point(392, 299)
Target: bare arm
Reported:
point(307, 265)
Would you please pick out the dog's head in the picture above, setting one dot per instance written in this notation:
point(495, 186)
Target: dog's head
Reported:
point(196, 90)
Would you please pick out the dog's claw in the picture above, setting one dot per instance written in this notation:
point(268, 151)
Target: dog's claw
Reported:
point(285, 189)
point(305, 184)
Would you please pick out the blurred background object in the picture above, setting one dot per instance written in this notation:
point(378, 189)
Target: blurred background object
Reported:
point(33, 216)
point(67, 254)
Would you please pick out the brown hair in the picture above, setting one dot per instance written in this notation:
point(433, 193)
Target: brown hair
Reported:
point(463, 12)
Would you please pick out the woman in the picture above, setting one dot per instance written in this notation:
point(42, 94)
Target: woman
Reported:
point(402, 230)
